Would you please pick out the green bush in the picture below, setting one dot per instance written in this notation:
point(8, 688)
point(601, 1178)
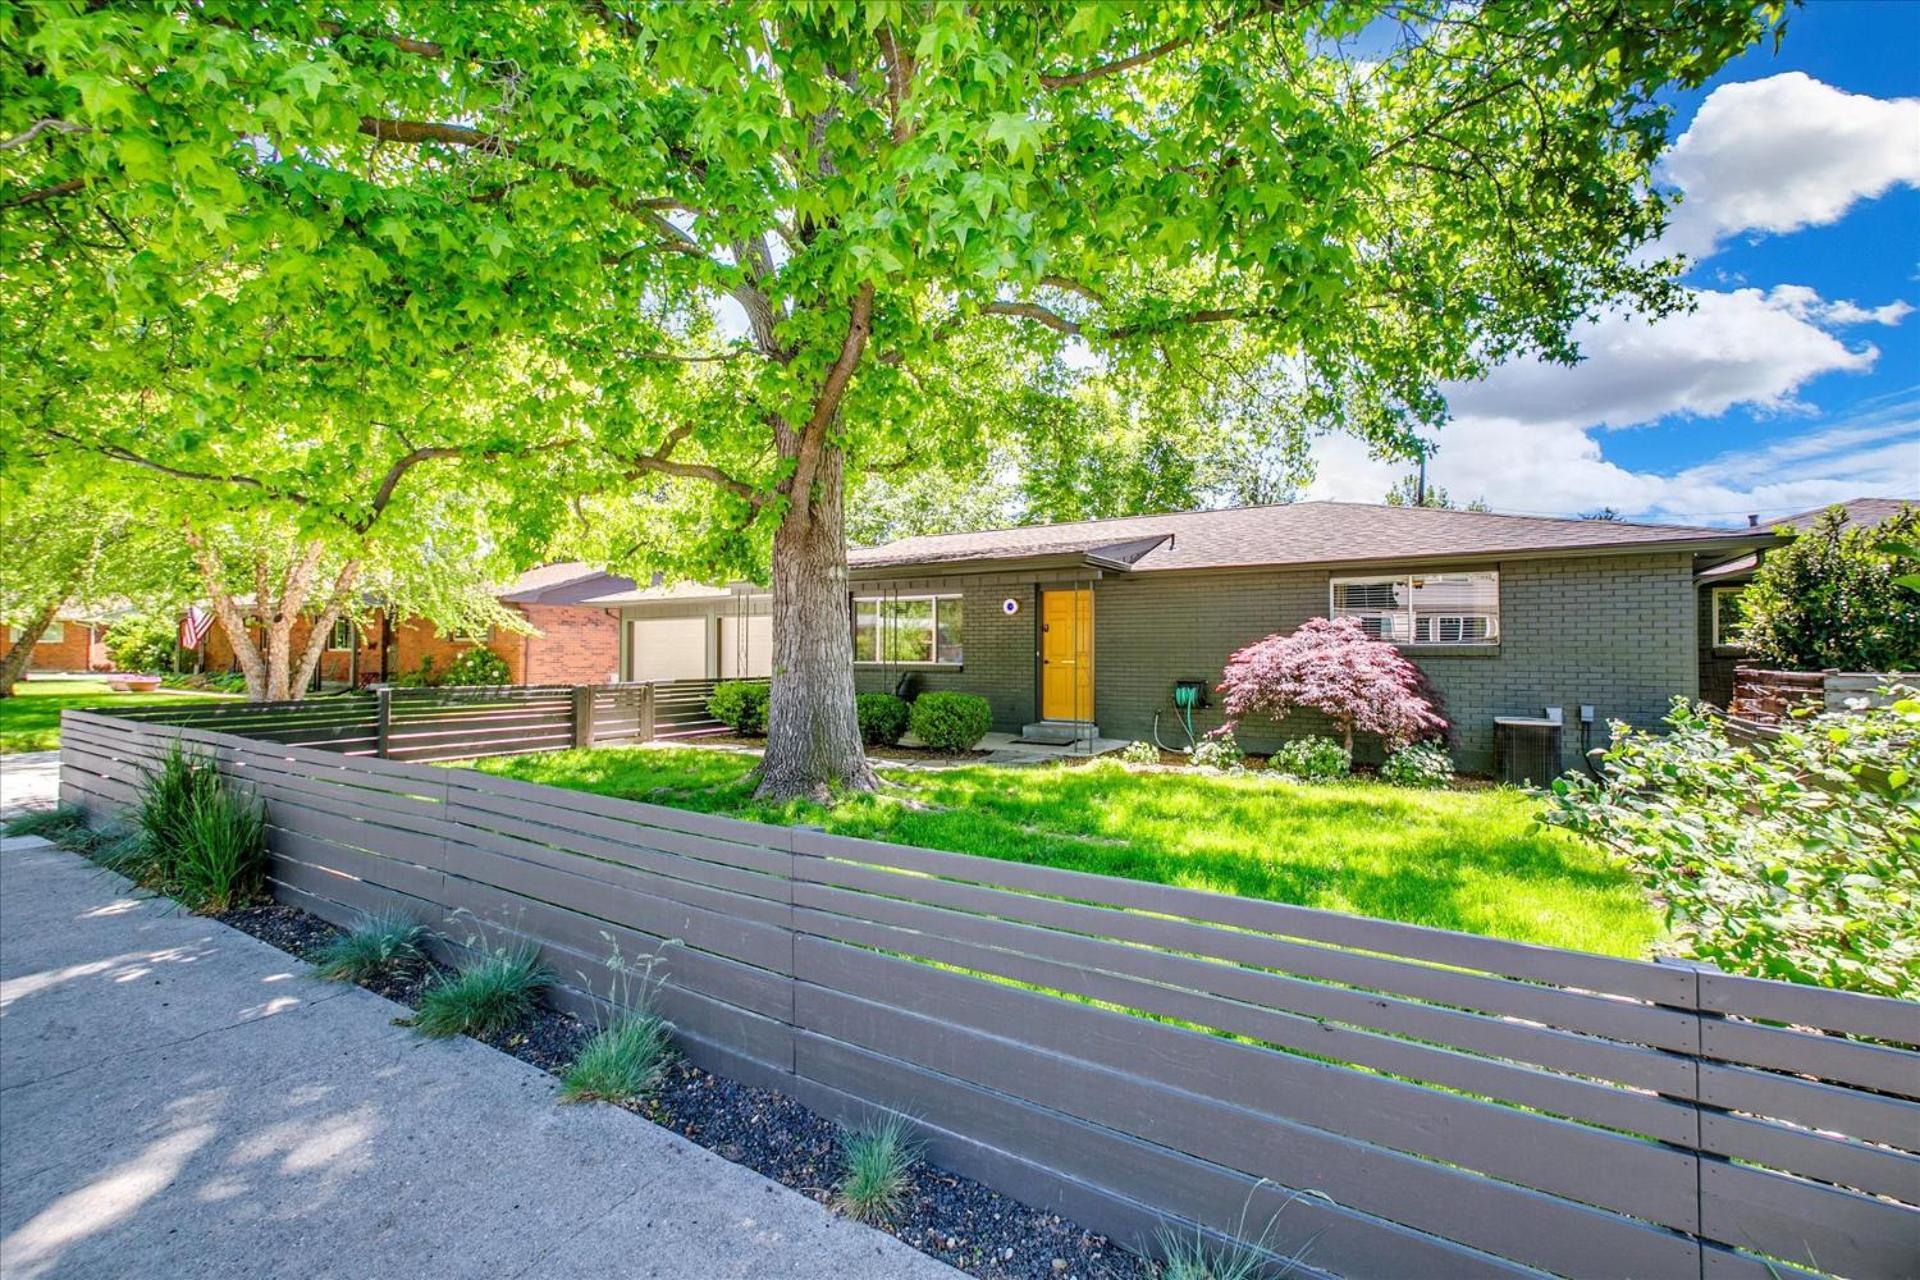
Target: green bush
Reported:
point(883, 718)
point(1140, 753)
point(1218, 750)
point(1832, 598)
point(741, 705)
point(142, 644)
point(194, 839)
point(384, 942)
point(1789, 859)
point(1312, 759)
point(879, 1161)
point(222, 859)
point(950, 721)
point(1424, 764)
point(478, 666)
point(422, 677)
point(490, 994)
point(622, 1061)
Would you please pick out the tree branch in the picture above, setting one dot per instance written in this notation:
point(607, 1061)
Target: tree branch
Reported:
point(45, 124)
point(1071, 80)
point(661, 462)
point(827, 404)
point(42, 194)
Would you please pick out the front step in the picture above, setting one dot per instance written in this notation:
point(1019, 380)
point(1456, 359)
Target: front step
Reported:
point(1059, 733)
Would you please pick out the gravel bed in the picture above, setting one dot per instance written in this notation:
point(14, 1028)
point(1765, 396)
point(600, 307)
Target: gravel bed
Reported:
point(954, 1219)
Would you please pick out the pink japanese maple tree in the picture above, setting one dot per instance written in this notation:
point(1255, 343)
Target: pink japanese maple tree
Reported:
point(1332, 666)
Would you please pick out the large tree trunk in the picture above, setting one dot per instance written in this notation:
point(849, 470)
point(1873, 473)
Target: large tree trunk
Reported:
point(813, 735)
point(14, 665)
point(323, 626)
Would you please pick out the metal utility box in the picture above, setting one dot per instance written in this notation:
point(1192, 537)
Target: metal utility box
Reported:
point(1526, 751)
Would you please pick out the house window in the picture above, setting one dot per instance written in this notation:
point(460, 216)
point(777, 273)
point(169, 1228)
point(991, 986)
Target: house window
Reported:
point(1729, 616)
point(342, 637)
point(1423, 608)
point(907, 629)
point(54, 634)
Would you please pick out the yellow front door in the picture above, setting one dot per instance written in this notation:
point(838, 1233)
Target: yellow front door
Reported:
point(1066, 655)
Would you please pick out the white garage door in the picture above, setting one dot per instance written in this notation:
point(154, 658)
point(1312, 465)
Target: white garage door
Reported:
point(746, 650)
point(669, 648)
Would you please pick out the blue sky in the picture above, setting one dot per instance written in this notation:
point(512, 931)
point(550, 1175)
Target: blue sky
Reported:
point(1796, 381)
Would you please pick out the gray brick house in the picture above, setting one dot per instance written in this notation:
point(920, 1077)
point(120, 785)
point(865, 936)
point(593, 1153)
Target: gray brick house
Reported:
point(1092, 623)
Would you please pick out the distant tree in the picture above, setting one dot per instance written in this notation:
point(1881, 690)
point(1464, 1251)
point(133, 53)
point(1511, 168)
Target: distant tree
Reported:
point(1406, 492)
point(1601, 513)
point(1332, 666)
point(1831, 598)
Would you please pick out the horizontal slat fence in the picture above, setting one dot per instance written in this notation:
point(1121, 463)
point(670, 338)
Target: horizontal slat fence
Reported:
point(1136, 1055)
point(459, 723)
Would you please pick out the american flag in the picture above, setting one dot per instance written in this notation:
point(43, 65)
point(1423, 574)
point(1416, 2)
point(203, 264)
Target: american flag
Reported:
point(194, 627)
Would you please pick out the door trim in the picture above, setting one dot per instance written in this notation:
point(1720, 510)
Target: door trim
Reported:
point(1083, 651)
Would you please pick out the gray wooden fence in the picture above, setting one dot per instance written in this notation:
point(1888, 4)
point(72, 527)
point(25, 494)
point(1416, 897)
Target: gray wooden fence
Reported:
point(460, 723)
point(1134, 1055)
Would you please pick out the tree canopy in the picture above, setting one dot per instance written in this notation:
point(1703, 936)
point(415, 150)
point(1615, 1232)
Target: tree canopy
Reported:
point(691, 266)
point(1831, 597)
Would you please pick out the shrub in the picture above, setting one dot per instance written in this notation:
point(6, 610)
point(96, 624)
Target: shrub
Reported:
point(741, 705)
point(1313, 759)
point(883, 718)
point(951, 721)
point(1334, 667)
point(1140, 753)
point(422, 677)
point(193, 838)
point(1218, 750)
point(221, 861)
point(490, 994)
point(379, 943)
point(878, 1161)
point(1831, 597)
point(142, 644)
point(1424, 764)
point(478, 665)
point(622, 1061)
point(1787, 859)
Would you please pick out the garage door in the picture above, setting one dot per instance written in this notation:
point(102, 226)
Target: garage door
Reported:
point(746, 647)
point(669, 648)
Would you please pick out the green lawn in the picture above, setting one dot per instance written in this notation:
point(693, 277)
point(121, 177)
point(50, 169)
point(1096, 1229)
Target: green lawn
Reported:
point(30, 719)
point(1468, 860)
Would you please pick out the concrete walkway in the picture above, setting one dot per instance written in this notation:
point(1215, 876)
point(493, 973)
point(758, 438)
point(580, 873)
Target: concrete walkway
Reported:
point(177, 1100)
point(29, 780)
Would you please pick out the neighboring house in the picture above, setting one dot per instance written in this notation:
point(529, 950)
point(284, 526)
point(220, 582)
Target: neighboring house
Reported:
point(70, 644)
point(1093, 622)
point(573, 643)
point(1720, 586)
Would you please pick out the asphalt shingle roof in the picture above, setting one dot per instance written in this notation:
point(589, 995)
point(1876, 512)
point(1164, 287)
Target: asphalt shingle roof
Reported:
point(1860, 511)
point(1292, 533)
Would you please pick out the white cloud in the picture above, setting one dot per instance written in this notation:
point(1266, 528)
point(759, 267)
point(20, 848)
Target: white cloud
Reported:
point(1782, 153)
point(1741, 347)
point(1530, 438)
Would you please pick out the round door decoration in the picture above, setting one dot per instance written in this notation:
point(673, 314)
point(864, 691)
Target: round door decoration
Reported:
point(1009, 606)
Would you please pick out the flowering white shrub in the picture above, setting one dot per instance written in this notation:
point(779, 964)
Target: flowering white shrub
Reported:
point(1140, 753)
point(1218, 750)
point(1332, 666)
point(1313, 759)
point(1424, 764)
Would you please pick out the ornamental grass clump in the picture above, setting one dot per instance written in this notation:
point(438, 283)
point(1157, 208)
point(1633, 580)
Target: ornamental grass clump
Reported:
point(64, 825)
point(879, 1163)
point(489, 994)
point(1792, 859)
point(194, 838)
point(380, 944)
point(623, 1061)
point(1332, 666)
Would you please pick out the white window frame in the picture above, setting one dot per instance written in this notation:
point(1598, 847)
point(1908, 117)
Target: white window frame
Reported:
point(333, 634)
point(56, 633)
point(1720, 640)
point(1404, 624)
point(881, 603)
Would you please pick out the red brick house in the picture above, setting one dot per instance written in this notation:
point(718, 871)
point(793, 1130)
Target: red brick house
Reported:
point(572, 643)
point(70, 644)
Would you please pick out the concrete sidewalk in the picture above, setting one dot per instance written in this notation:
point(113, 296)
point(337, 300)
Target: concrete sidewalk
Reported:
point(29, 780)
point(177, 1100)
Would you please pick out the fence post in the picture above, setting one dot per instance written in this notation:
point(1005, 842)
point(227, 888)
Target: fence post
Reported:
point(583, 715)
point(383, 719)
point(646, 712)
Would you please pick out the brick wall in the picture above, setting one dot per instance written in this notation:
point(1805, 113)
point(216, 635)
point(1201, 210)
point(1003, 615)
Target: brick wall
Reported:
point(1618, 632)
point(575, 646)
point(81, 647)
